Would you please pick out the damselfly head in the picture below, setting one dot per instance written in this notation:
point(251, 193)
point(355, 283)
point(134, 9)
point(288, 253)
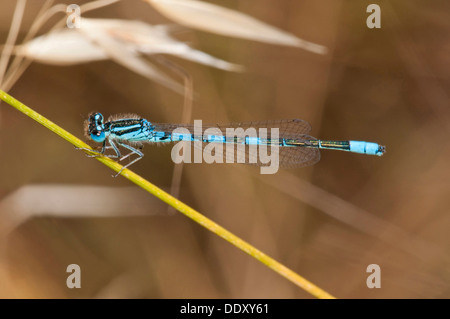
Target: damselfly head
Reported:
point(94, 127)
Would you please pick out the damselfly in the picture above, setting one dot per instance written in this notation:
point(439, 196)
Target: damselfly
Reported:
point(295, 147)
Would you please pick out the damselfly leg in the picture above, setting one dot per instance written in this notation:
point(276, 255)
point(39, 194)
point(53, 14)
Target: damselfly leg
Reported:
point(133, 151)
point(94, 153)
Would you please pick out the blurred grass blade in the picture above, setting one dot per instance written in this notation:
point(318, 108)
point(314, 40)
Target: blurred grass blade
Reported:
point(18, 66)
point(62, 47)
point(46, 13)
point(144, 38)
point(120, 40)
point(94, 5)
point(212, 18)
point(175, 203)
point(63, 201)
point(11, 39)
point(132, 61)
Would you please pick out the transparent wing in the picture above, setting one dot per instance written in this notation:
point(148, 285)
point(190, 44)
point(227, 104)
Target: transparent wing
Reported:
point(289, 157)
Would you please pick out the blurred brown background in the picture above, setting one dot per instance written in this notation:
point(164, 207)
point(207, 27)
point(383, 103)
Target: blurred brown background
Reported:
point(326, 222)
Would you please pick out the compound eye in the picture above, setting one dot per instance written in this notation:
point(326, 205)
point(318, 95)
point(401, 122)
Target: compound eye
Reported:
point(98, 136)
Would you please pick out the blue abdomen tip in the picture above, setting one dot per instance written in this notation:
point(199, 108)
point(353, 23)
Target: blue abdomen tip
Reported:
point(366, 148)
